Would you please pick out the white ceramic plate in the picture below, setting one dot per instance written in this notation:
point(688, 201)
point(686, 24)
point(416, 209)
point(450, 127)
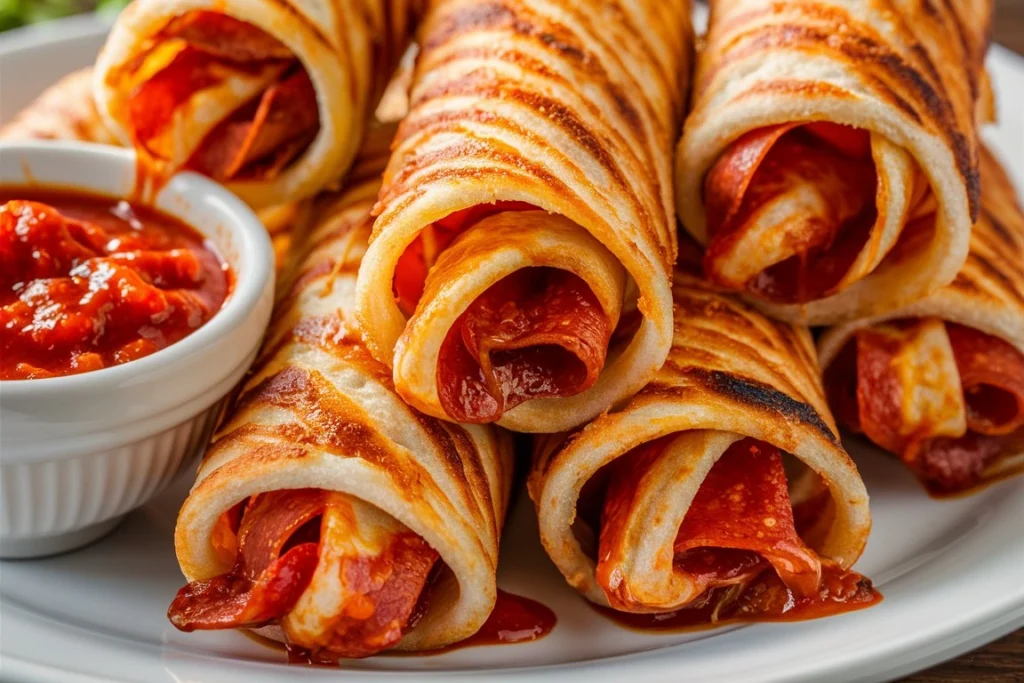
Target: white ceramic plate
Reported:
point(952, 572)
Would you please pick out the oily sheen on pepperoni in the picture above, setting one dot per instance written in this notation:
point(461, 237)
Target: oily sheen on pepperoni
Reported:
point(744, 505)
point(262, 136)
point(821, 243)
point(281, 539)
point(537, 333)
point(285, 120)
point(738, 542)
point(385, 590)
point(266, 580)
point(991, 375)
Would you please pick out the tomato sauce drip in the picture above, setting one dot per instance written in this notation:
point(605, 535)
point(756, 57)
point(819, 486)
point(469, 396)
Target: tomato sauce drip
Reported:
point(263, 135)
point(738, 543)
point(765, 599)
point(760, 165)
point(866, 395)
point(88, 282)
point(514, 619)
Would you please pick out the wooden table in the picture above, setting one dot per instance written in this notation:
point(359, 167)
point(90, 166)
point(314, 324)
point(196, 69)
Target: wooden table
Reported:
point(1003, 660)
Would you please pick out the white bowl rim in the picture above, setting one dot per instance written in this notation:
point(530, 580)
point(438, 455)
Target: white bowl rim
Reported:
point(254, 247)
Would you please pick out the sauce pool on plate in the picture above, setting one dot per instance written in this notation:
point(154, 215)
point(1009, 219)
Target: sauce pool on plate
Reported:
point(88, 282)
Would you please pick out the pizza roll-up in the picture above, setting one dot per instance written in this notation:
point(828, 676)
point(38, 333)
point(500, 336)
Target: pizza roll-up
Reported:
point(326, 510)
point(65, 111)
point(941, 382)
point(721, 487)
point(830, 161)
point(520, 262)
point(268, 97)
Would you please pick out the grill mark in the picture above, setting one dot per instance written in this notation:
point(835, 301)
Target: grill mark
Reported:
point(999, 229)
point(860, 48)
point(763, 397)
point(639, 144)
point(556, 112)
point(479, 16)
point(732, 349)
point(332, 421)
point(894, 98)
point(989, 268)
point(500, 153)
point(965, 45)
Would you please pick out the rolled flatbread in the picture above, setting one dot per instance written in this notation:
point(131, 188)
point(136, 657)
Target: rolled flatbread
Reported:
point(328, 513)
point(829, 164)
point(65, 111)
point(520, 261)
point(940, 382)
point(721, 487)
point(270, 98)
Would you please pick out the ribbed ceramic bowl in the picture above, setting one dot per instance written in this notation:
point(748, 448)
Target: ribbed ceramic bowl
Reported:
point(78, 452)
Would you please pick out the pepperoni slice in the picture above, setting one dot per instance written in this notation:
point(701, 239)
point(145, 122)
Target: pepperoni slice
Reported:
point(992, 376)
point(262, 136)
point(225, 37)
point(802, 196)
point(739, 542)
point(743, 505)
point(537, 333)
point(420, 256)
point(266, 580)
point(287, 112)
point(364, 576)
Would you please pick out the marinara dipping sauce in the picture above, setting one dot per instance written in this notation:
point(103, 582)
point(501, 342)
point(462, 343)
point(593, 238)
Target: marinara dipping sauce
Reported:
point(87, 282)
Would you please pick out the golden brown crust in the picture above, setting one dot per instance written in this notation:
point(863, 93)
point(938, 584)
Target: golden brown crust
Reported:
point(318, 411)
point(732, 372)
point(349, 49)
point(568, 106)
point(988, 292)
point(910, 72)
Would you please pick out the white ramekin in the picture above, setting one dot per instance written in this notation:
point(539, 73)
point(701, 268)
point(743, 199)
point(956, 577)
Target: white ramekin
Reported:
point(78, 452)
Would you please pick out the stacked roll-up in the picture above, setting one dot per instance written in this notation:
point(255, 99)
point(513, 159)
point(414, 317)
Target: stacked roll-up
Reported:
point(519, 270)
point(829, 163)
point(67, 111)
point(683, 499)
point(941, 382)
point(326, 509)
point(268, 97)
point(64, 111)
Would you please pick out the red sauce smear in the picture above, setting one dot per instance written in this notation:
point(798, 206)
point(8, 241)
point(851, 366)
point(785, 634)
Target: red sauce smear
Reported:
point(515, 619)
point(766, 162)
point(766, 599)
point(87, 282)
point(263, 135)
point(866, 396)
point(738, 542)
